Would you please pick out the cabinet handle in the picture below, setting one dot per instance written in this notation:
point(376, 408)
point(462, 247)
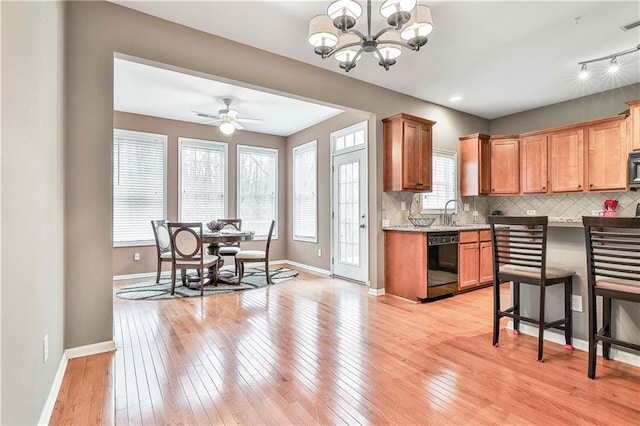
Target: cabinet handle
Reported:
point(590, 185)
point(579, 186)
point(419, 184)
point(544, 187)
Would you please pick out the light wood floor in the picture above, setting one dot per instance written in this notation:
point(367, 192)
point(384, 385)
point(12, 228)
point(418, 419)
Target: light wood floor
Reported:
point(320, 350)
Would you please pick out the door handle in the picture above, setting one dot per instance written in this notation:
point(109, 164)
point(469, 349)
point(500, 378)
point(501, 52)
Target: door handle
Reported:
point(362, 225)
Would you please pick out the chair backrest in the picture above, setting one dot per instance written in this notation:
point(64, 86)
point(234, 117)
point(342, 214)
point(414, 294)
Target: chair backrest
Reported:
point(186, 240)
point(232, 224)
point(266, 250)
point(520, 242)
point(161, 234)
point(613, 248)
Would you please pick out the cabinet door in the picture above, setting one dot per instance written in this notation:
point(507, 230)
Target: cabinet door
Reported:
point(416, 156)
point(475, 166)
point(485, 167)
point(533, 164)
point(505, 165)
point(468, 265)
point(608, 156)
point(633, 125)
point(566, 159)
point(486, 263)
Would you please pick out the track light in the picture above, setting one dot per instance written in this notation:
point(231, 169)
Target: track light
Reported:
point(613, 64)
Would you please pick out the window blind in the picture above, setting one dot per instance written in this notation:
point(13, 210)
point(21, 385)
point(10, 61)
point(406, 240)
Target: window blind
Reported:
point(257, 189)
point(203, 180)
point(305, 192)
point(444, 172)
point(139, 185)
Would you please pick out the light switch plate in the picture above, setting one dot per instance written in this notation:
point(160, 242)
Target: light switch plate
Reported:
point(465, 207)
point(403, 205)
point(531, 212)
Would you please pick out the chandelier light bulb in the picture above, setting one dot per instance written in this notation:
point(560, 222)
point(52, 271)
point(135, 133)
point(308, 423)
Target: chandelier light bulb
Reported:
point(227, 128)
point(584, 73)
point(613, 67)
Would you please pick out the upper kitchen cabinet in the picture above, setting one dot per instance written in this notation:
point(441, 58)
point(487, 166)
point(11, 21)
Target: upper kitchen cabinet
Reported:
point(566, 160)
point(407, 153)
point(633, 124)
point(505, 165)
point(607, 155)
point(533, 164)
point(475, 165)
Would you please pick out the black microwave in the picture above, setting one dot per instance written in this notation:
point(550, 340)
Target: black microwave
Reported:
point(634, 170)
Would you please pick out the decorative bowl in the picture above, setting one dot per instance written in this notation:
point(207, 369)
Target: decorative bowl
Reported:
point(424, 222)
point(214, 225)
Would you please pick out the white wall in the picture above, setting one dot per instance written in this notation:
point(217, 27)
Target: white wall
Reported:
point(31, 186)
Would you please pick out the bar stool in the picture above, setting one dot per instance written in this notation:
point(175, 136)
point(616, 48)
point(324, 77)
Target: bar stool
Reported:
point(520, 256)
point(613, 268)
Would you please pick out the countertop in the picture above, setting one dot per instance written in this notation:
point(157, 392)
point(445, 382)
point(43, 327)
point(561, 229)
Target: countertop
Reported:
point(553, 221)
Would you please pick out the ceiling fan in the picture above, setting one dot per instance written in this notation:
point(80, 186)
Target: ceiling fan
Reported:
point(227, 119)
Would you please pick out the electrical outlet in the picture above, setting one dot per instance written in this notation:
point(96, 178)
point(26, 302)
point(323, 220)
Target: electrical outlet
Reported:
point(465, 207)
point(475, 213)
point(136, 256)
point(576, 303)
point(531, 212)
point(403, 205)
point(385, 223)
point(319, 252)
point(45, 348)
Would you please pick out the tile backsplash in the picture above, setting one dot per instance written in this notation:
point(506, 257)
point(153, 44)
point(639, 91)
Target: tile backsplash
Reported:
point(552, 205)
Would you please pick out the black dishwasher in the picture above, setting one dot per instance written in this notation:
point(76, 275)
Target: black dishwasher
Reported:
point(442, 264)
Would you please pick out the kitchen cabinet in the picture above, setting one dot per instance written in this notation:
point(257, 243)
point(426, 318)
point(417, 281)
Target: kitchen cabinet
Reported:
point(633, 125)
point(475, 165)
point(475, 259)
point(405, 264)
point(607, 155)
point(533, 164)
point(566, 160)
point(407, 153)
point(505, 165)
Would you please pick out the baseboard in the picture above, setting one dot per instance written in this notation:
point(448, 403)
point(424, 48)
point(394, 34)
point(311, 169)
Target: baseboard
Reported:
point(580, 344)
point(164, 274)
point(303, 266)
point(68, 354)
point(376, 291)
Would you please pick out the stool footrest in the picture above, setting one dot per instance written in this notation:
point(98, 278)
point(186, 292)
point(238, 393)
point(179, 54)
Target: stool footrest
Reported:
point(615, 341)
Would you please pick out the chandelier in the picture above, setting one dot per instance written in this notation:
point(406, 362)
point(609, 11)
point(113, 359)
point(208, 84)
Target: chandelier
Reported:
point(333, 34)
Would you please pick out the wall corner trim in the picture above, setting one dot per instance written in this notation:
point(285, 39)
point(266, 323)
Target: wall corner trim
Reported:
point(68, 354)
point(376, 292)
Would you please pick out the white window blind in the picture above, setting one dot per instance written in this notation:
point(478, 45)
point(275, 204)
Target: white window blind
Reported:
point(258, 189)
point(203, 180)
point(444, 178)
point(139, 185)
point(305, 192)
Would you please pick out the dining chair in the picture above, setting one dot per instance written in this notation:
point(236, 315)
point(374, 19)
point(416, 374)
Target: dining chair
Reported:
point(520, 256)
point(163, 243)
point(187, 251)
point(244, 256)
point(230, 249)
point(613, 268)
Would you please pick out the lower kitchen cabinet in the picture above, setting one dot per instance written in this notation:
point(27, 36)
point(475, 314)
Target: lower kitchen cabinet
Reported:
point(405, 264)
point(475, 261)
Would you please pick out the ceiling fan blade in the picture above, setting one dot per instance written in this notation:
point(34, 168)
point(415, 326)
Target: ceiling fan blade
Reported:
point(214, 121)
point(206, 115)
point(237, 125)
point(251, 120)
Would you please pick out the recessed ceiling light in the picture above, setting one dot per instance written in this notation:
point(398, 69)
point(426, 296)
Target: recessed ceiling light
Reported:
point(455, 98)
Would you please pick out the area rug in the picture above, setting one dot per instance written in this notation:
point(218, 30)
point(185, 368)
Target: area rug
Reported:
point(253, 278)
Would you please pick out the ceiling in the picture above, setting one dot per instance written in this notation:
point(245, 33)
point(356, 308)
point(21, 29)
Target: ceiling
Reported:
point(500, 57)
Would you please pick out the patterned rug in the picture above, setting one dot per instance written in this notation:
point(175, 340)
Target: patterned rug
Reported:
point(253, 278)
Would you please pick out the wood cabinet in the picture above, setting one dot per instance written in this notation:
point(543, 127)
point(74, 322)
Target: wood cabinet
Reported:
point(475, 165)
point(475, 259)
point(633, 125)
point(407, 153)
point(566, 160)
point(405, 264)
point(607, 155)
point(533, 164)
point(505, 165)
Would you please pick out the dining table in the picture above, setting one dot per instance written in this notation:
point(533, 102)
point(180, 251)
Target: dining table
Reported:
point(215, 239)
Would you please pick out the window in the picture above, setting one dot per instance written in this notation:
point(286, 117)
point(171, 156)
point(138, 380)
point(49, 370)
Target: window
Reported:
point(258, 189)
point(139, 185)
point(202, 187)
point(352, 137)
point(445, 166)
point(305, 192)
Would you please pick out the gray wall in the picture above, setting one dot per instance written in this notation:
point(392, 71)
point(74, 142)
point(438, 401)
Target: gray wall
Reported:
point(604, 104)
point(95, 30)
point(306, 252)
point(32, 205)
point(123, 263)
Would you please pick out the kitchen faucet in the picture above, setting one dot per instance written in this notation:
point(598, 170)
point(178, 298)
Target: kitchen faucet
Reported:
point(448, 217)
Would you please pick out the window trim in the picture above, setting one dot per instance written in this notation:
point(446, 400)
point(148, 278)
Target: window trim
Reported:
point(239, 148)
point(296, 149)
point(205, 144)
point(454, 155)
point(164, 139)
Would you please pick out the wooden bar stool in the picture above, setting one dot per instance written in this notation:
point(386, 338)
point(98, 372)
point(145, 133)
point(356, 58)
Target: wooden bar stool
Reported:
point(520, 256)
point(613, 268)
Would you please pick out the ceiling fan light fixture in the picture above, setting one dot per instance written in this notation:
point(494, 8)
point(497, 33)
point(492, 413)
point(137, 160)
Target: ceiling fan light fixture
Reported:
point(227, 128)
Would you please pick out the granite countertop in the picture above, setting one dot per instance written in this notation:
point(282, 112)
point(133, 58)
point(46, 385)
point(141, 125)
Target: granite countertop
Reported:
point(553, 221)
